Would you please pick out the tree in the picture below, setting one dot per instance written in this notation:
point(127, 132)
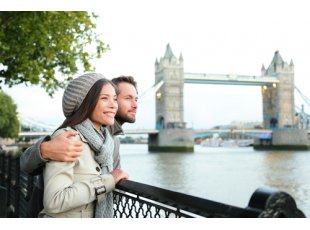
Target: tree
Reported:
point(47, 48)
point(9, 123)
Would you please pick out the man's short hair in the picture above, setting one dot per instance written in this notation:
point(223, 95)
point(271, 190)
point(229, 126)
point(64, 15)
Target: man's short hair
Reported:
point(127, 79)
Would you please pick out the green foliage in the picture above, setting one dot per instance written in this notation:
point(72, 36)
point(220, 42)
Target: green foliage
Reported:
point(9, 123)
point(47, 48)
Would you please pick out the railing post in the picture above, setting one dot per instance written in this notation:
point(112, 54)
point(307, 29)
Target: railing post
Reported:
point(274, 203)
point(3, 201)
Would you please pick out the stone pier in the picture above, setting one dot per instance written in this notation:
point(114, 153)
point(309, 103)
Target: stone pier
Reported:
point(286, 139)
point(172, 140)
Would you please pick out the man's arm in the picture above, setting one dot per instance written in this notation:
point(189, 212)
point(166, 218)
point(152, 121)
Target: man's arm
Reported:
point(60, 148)
point(31, 160)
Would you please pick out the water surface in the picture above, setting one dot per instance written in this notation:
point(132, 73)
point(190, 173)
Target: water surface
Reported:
point(226, 175)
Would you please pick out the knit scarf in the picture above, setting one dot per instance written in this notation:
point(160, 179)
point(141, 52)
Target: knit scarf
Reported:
point(102, 144)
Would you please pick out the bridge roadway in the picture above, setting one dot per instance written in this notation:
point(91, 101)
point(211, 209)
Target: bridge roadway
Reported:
point(40, 134)
point(153, 131)
point(229, 79)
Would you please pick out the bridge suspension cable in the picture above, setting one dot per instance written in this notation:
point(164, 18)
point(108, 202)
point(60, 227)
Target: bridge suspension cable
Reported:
point(33, 122)
point(300, 110)
point(303, 96)
point(154, 87)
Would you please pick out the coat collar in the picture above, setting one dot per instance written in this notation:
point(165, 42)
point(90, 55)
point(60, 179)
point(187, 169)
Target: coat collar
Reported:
point(116, 129)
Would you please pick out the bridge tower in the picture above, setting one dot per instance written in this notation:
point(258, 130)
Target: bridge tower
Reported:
point(279, 108)
point(278, 100)
point(169, 97)
point(173, 134)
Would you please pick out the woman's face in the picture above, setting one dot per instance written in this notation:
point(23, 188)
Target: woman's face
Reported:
point(106, 107)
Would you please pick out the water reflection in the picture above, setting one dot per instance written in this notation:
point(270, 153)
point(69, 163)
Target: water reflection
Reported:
point(168, 176)
point(280, 170)
point(288, 171)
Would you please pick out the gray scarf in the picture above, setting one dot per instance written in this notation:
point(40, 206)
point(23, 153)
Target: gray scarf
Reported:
point(103, 145)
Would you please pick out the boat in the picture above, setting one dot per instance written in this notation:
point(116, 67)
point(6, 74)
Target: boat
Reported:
point(219, 142)
point(214, 141)
point(245, 142)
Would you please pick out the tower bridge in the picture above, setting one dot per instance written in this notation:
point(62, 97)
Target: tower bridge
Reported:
point(277, 87)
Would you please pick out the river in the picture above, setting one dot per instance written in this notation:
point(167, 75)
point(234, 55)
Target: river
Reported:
point(226, 175)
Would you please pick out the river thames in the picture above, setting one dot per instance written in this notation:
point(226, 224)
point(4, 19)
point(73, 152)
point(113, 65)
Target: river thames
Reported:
point(226, 175)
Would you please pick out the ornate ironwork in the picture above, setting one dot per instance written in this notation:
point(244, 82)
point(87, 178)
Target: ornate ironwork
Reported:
point(133, 199)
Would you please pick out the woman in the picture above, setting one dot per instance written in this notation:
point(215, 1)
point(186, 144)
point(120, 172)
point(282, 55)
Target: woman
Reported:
point(83, 188)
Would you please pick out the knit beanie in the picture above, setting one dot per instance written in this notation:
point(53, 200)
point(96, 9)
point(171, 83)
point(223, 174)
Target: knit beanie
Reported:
point(76, 92)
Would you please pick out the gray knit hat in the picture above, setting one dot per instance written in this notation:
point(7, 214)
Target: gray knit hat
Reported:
point(76, 92)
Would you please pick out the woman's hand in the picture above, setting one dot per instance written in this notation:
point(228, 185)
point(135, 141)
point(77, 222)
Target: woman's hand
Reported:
point(119, 174)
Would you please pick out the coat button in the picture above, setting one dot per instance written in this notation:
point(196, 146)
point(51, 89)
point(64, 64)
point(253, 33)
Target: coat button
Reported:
point(98, 169)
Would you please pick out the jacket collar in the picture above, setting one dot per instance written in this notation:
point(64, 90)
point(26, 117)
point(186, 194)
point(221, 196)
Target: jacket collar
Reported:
point(116, 129)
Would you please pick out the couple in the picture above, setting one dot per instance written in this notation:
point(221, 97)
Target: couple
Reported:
point(81, 161)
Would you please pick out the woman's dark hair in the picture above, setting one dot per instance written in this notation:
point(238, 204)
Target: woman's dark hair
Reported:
point(88, 104)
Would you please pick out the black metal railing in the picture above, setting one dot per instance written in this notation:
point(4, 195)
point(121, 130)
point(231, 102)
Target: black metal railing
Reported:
point(137, 200)
point(133, 199)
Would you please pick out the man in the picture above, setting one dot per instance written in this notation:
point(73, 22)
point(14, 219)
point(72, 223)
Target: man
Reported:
point(61, 148)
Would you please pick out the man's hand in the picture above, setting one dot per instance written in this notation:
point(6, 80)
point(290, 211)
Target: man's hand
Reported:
point(61, 148)
point(119, 174)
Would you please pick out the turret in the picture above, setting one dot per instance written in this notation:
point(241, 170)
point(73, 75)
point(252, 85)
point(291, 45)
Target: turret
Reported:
point(181, 59)
point(263, 70)
point(168, 53)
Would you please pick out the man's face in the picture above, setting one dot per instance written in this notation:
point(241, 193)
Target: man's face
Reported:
point(127, 100)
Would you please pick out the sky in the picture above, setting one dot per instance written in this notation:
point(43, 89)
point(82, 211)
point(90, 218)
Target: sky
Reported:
point(218, 37)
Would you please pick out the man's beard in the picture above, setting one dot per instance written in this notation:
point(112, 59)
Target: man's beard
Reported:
point(123, 118)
